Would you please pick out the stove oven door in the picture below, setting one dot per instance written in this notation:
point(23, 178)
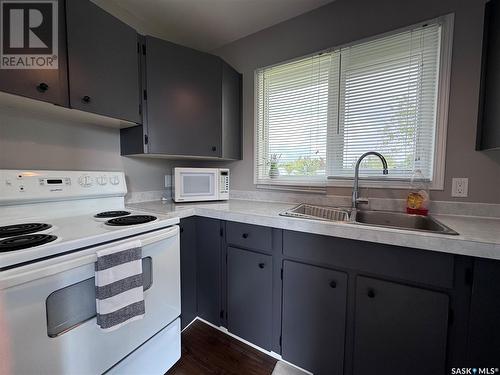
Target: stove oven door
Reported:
point(47, 311)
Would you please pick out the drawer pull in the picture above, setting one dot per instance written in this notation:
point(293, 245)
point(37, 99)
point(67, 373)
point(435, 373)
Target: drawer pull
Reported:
point(86, 99)
point(333, 284)
point(244, 235)
point(371, 293)
point(262, 265)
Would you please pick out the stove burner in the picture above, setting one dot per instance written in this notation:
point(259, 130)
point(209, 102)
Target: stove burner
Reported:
point(108, 214)
point(130, 220)
point(24, 242)
point(20, 229)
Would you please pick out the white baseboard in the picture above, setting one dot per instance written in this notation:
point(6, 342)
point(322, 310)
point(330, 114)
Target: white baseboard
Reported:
point(269, 353)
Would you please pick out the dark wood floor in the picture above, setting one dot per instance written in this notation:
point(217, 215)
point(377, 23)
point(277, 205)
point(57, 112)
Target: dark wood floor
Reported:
point(206, 350)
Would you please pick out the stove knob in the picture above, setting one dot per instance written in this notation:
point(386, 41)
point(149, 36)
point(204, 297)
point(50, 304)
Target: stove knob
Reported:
point(102, 180)
point(85, 181)
point(114, 180)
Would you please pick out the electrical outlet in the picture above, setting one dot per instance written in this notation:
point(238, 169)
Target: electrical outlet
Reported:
point(168, 180)
point(460, 187)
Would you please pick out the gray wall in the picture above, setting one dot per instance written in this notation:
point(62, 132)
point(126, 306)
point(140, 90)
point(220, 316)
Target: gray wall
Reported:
point(29, 141)
point(348, 20)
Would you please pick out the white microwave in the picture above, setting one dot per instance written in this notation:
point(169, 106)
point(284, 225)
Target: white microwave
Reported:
point(200, 184)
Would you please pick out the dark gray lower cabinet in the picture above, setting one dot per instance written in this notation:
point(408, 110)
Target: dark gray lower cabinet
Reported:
point(484, 326)
point(399, 329)
point(188, 270)
point(250, 296)
point(314, 317)
point(411, 316)
point(208, 267)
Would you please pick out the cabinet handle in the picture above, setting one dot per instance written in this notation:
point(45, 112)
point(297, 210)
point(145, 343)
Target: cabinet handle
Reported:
point(86, 99)
point(181, 229)
point(262, 265)
point(42, 87)
point(244, 235)
point(371, 293)
point(333, 284)
point(214, 148)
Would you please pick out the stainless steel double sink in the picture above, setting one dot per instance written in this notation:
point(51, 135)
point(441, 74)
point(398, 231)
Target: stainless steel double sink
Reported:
point(389, 219)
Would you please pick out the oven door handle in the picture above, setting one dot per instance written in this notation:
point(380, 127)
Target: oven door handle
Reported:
point(17, 276)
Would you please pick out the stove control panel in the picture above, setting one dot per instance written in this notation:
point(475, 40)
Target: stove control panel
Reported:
point(41, 185)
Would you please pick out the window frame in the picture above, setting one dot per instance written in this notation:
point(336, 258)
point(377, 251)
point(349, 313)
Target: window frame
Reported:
point(319, 184)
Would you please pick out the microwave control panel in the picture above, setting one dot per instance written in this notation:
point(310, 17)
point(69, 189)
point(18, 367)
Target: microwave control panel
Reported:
point(224, 181)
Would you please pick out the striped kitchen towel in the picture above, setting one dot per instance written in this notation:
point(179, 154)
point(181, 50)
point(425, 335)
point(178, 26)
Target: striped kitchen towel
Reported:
point(119, 285)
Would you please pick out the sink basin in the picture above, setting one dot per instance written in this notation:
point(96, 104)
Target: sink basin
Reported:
point(388, 219)
point(308, 211)
point(402, 220)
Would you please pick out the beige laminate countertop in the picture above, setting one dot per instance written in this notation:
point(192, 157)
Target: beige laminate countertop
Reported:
point(479, 237)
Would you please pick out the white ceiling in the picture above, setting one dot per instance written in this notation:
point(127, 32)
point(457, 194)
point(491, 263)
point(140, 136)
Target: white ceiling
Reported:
point(206, 24)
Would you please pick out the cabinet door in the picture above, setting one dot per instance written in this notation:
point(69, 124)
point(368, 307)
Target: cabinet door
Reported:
point(489, 110)
point(103, 62)
point(208, 265)
point(249, 296)
point(399, 329)
point(49, 85)
point(183, 100)
point(231, 112)
point(188, 270)
point(484, 326)
point(314, 317)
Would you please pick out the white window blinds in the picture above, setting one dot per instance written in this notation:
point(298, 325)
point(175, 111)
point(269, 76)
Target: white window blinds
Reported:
point(317, 115)
point(292, 111)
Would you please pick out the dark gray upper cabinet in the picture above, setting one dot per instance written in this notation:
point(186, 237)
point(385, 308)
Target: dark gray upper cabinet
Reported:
point(48, 85)
point(250, 296)
point(192, 105)
point(103, 61)
point(399, 329)
point(231, 112)
point(489, 111)
point(314, 317)
point(184, 99)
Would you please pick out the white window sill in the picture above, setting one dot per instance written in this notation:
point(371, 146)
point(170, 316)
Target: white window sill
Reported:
point(321, 186)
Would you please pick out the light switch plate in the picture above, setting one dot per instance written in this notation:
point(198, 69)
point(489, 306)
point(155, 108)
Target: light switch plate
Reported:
point(460, 187)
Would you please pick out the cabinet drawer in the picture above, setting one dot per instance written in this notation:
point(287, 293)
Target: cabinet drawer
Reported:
point(397, 262)
point(250, 236)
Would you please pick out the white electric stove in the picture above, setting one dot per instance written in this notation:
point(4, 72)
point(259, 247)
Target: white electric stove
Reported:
point(51, 225)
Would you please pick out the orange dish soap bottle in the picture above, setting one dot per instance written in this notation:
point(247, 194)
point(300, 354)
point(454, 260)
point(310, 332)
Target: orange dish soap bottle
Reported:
point(417, 202)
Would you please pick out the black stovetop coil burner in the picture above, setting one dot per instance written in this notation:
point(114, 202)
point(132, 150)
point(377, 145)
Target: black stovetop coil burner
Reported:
point(108, 214)
point(131, 220)
point(25, 242)
point(20, 229)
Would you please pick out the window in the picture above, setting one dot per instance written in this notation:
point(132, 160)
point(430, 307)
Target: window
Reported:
point(316, 115)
